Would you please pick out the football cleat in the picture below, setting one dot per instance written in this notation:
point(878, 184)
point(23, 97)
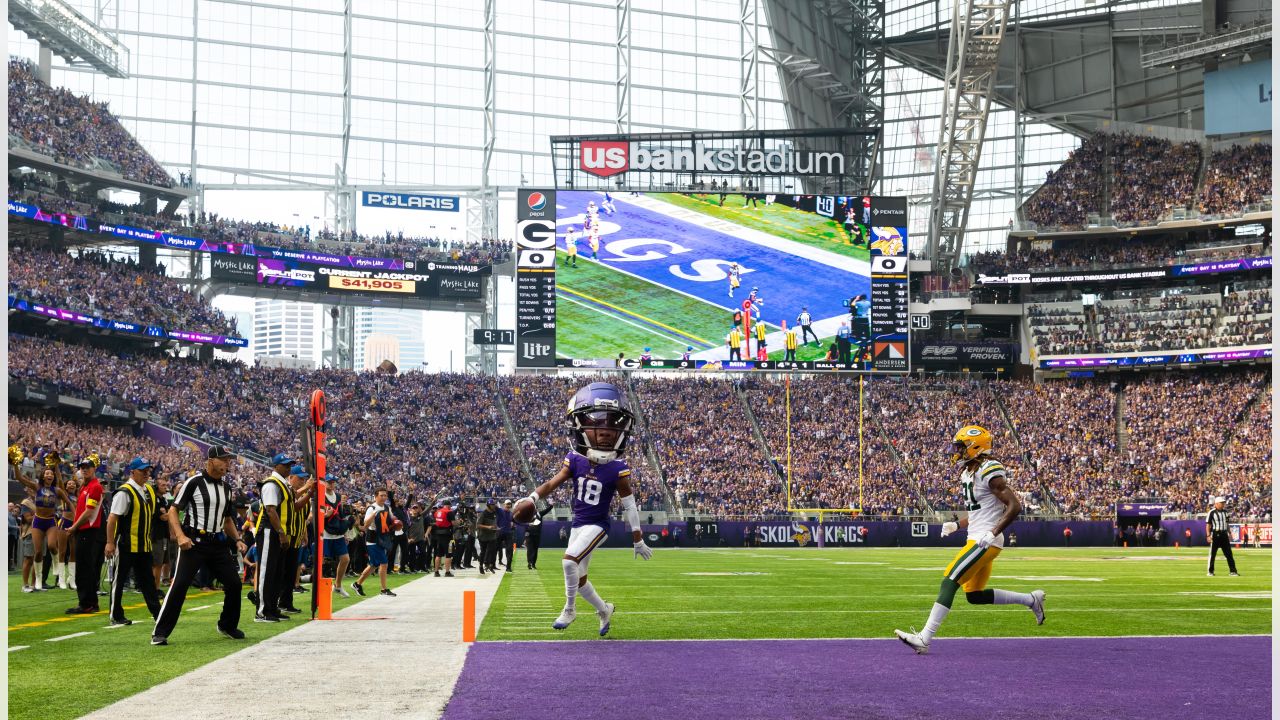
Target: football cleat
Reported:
point(605, 616)
point(566, 618)
point(1037, 605)
point(341, 592)
point(914, 640)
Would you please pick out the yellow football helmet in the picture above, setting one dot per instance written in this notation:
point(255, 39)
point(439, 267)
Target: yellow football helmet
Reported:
point(970, 443)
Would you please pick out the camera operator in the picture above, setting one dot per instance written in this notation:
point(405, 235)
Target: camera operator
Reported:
point(464, 535)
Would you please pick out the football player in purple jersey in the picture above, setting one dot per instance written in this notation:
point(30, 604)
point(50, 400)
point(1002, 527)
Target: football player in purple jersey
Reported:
point(599, 422)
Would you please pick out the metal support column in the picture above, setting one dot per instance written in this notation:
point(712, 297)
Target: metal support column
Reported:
point(749, 63)
point(977, 29)
point(866, 107)
point(623, 66)
point(338, 343)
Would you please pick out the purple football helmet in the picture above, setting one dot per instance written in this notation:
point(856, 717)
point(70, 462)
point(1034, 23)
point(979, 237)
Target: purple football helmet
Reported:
point(599, 405)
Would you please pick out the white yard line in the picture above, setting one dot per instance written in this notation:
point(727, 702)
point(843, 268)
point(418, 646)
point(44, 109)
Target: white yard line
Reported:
point(68, 637)
point(16, 648)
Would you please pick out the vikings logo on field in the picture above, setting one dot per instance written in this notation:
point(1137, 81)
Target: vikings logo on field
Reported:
point(801, 534)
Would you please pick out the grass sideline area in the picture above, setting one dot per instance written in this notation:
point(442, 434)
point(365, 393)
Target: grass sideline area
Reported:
point(586, 327)
point(867, 592)
point(778, 220)
point(120, 662)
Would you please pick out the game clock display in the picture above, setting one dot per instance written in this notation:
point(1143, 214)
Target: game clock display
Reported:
point(712, 280)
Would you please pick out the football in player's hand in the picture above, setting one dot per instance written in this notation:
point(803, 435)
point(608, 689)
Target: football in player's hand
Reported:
point(397, 524)
point(524, 511)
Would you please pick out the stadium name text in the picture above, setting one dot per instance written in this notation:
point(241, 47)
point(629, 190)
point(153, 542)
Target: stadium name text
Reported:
point(605, 158)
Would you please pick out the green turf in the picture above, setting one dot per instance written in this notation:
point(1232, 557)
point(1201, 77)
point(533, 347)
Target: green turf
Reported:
point(584, 330)
point(120, 662)
point(777, 220)
point(865, 592)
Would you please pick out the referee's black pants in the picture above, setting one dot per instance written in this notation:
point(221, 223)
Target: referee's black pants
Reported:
point(805, 332)
point(531, 544)
point(90, 548)
point(271, 562)
point(139, 563)
point(288, 574)
point(1221, 540)
point(219, 558)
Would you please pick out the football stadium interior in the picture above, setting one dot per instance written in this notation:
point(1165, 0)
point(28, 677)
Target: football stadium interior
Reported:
point(787, 319)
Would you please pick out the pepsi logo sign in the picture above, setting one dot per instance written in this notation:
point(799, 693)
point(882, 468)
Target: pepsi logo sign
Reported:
point(537, 201)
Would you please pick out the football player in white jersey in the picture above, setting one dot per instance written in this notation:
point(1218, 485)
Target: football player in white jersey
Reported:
point(992, 505)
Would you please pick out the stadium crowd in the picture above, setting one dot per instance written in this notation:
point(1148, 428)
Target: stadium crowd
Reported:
point(826, 449)
point(1139, 251)
point(74, 130)
point(1243, 471)
point(1147, 177)
point(116, 289)
point(708, 449)
point(1237, 176)
point(441, 436)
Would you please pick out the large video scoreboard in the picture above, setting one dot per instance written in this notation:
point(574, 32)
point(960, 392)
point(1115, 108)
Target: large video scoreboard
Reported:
point(713, 280)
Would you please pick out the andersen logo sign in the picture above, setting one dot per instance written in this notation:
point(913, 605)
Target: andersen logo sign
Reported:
point(606, 158)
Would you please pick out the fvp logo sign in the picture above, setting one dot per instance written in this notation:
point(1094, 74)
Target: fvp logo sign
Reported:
point(604, 158)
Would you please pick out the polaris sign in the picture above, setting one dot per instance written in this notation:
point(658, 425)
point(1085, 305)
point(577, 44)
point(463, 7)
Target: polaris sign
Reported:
point(605, 158)
point(406, 201)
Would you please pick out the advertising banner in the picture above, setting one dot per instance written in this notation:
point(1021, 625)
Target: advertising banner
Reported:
point(1238, 99)
point(1124, 509)
point(411, 201)
point(1249, 533)
point(165, 437)
point(151, 331)
point(425, 283)
point(964, 353)
point(1132, 360)
point(1042, 278)
point(1257, 263)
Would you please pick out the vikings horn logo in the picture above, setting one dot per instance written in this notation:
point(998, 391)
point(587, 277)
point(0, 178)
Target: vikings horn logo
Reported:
point(801, 534)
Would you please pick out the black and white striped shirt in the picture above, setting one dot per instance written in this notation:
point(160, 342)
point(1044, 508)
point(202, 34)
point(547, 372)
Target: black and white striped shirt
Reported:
point(1217, 521)
point(206, 502)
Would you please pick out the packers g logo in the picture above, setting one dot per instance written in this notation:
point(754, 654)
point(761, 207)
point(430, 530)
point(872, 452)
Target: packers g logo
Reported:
point(802, 535)
point(973, 432)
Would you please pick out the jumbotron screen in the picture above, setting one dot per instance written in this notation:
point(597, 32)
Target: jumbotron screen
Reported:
point(714, 280)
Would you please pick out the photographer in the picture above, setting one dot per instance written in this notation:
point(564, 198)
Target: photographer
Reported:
point(464, 535)
point(416, 532)
point(337, 521)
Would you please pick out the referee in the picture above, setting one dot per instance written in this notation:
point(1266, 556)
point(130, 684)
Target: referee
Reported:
point(1217, 527)
point(205, 539)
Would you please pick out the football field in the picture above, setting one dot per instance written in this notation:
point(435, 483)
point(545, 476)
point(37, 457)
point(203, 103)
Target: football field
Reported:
point(744, 593)
point(736, 634)
point(660, 278)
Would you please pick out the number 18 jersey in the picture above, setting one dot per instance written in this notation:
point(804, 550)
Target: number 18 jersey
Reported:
point(593, 488)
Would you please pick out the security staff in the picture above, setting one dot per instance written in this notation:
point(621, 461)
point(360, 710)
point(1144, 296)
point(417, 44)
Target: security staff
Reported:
point(90, 538)
point(506, 534)
point(441, 534)
point(296, 534)
point(533, 537)
point(1218, 529)
point(274, 522)
point(207, 536)
point(790, 355)
point(133, 512)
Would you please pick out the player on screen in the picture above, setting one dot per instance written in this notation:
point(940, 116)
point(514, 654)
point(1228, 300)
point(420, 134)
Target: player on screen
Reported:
point(594, 236)
point(599, 421)
point(992, 506)
point(571, 247)
point(607, 205)
point(735, 277)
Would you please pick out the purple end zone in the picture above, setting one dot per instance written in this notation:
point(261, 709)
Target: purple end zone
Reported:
point(1049, 678)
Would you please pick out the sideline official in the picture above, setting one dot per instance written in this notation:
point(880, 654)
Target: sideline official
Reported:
point(133, 508)
point(296, 534)
point(274, 523)
point(1218, 529)
point(206, 537)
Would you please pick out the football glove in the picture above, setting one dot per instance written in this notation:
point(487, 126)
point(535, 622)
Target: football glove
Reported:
point(987, 540)
point(949, 527)
point(642, 551)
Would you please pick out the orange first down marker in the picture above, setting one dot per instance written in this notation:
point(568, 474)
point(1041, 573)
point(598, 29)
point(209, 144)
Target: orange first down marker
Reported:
point(468, 616)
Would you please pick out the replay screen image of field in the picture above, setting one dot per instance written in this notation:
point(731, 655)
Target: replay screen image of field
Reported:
point(642, 279)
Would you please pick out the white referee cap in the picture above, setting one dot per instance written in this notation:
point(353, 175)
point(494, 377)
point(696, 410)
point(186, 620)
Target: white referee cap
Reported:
point(1220, 499)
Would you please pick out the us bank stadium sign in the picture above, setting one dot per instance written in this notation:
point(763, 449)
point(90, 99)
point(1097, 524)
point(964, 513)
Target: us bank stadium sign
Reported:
point(769, 161)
